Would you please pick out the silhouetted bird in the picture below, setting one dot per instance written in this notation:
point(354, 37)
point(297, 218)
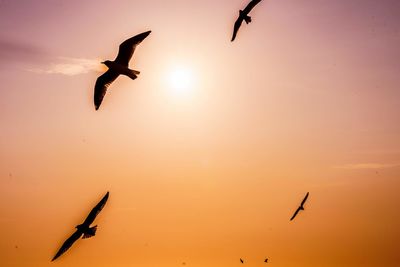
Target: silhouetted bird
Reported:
point(84, 228)
point(120, 66)
point(266, 260)
point(241, 261)
point(244, 15)
point(301, 206)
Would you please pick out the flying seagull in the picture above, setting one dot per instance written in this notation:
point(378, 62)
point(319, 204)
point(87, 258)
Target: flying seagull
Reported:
point(120, 66)
point(241, 261)
point(301, 206)
point(84, 228)
point(244, 15)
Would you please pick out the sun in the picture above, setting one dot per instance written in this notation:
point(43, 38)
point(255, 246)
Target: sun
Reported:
point(181, 79)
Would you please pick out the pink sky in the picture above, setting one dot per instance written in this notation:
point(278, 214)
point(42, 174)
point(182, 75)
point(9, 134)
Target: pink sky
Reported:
point(306, 99)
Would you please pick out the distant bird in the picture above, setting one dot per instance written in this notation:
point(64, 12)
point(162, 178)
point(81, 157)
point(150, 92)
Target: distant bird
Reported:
point(266, 260)
point(244, 15)
point(241, 261)
point(84, 228)
point(120, 66)
point(301, 206)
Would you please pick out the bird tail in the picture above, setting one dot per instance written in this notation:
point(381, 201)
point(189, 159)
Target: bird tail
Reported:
point(90, 232)
point(132, 74)
point(247, 19)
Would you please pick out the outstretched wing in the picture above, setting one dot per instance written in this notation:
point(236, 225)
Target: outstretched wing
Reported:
point(236, 27)
point(295, 214)
point(68, 243)
point(305, 199)
point(127, 48)
point(102, 83)
point(92, 215)
point(250, 6)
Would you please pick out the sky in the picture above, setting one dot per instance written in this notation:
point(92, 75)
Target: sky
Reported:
point(209, 152)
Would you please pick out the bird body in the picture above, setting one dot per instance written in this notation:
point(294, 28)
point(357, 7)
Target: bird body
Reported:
point(83, 229)
point(86, 230)
point(243, 16)
point(121, 69)
point(120, 66)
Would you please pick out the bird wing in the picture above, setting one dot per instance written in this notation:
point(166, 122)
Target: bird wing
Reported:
point(295, 214)
point(305, 199)
point(102, 83)
point(68, 243)
point(92, 215)
point(250, 6)
point(236, 27)
point(127, 48)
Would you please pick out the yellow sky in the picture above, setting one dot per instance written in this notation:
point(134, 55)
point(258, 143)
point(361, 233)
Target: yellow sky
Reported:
point(305, 99)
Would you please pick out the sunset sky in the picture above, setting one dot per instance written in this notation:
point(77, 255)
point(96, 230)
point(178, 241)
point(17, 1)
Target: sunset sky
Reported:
point(209, 152)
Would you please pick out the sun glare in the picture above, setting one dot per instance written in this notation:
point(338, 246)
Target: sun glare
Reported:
point(181, 79)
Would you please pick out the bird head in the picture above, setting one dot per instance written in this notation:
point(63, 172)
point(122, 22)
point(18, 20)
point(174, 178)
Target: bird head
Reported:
point(107, 62)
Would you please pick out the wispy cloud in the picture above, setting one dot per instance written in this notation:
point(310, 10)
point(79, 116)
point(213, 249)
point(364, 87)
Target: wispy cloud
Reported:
point(12, 51)
point(71, 66)
point(34, 59)
point(361, 166)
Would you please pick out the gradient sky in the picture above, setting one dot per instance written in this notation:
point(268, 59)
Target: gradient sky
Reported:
point(306, 99)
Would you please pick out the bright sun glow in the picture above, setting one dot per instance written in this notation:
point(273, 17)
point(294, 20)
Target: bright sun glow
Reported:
point(181, 79)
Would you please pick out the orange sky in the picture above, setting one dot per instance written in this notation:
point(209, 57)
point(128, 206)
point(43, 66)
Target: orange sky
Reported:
point(305, 99)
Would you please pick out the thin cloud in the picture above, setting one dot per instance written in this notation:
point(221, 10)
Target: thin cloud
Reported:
point(12, 51)
point(370, 166)
point(71, 66)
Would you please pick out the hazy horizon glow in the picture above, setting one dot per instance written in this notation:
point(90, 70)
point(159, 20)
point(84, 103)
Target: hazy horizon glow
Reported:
point(207, 154)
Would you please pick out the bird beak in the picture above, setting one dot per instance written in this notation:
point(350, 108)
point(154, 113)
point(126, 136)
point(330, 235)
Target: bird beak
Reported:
point(103, 62)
